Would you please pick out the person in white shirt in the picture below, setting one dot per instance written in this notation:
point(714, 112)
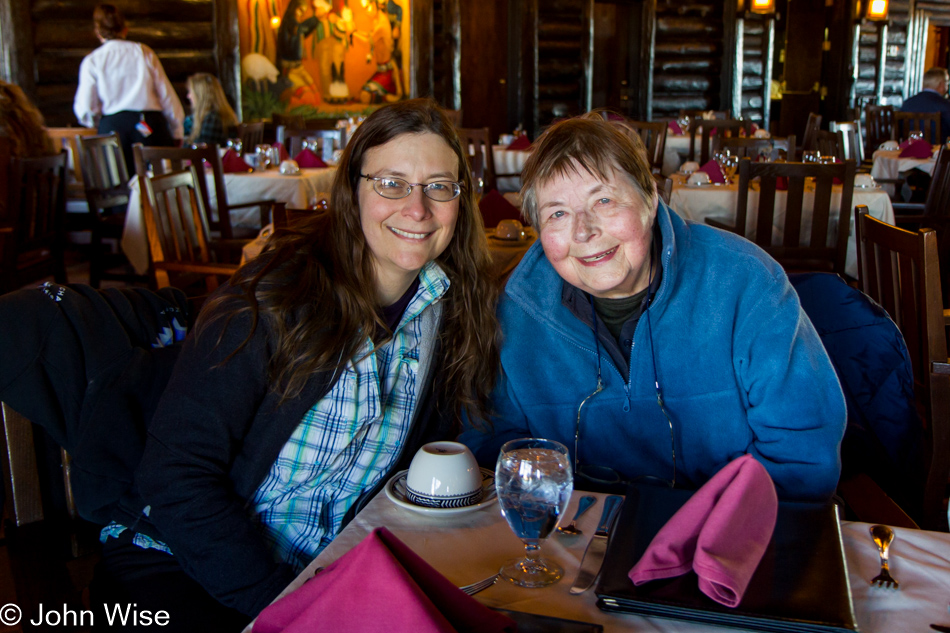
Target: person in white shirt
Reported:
point(123, 88)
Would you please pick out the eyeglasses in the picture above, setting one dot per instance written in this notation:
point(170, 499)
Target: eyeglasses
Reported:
point(397, 188)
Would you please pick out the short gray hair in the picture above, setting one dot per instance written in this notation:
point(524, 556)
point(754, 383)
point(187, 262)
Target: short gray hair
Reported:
point(934, 77)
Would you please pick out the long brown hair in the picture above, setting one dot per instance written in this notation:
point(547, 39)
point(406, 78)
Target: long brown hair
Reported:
point(209, 97)
point(22, 123)
point(314, 286)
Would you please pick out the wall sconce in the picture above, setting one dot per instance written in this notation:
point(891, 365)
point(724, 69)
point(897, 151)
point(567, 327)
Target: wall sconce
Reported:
point(275, 22)
point(762, 7)
point(876, 10)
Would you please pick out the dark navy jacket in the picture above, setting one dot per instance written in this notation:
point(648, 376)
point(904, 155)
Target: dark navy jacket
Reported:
point(929, 101)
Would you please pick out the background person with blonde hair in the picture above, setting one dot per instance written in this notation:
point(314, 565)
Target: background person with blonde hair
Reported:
point(212, 115)
point(22, 124)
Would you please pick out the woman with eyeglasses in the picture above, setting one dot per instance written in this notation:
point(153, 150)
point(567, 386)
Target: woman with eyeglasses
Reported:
point(655, 349)
point(313, 377)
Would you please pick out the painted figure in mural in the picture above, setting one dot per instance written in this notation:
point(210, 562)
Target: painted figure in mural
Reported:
point(386, 83)
point(323, 45)
point(294, 27)
point(341, 30)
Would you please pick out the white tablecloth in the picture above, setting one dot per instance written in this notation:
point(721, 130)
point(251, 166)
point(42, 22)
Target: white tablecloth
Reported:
point(889, 164)
point(469, 547)
point(509, 161)
point(676, 151)
point(698, 203)
point(299, 191)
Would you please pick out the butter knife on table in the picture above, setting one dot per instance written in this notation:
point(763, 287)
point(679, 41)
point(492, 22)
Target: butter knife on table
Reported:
point(940, 627)
point(594, 555)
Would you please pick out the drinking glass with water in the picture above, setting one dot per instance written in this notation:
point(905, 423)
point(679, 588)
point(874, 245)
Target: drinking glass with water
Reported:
point(534, 482)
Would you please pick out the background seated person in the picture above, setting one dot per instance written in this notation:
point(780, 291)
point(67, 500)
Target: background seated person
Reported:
point(311, 379)
point(652, 347)
point(933, 98)
point(213, 120)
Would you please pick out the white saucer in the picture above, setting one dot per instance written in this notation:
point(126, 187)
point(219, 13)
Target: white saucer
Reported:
point(396, 491)
point(867, 187)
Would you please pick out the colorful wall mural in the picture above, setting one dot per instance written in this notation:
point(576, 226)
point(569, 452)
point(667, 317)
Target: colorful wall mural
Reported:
point(322, 58)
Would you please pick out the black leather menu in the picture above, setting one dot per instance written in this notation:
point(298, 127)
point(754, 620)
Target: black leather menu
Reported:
point(801, 584)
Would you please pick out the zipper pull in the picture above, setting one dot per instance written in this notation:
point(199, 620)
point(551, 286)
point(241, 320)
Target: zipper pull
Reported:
point(626, 403)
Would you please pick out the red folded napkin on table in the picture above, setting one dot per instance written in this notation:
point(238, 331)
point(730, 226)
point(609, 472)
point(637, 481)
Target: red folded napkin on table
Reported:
point(781, 183)
point(675, 127)
point(520, 142)
point(715, 171)
point(231, 163)
point(379, 586)
point(284, 155)
point(918, 149)
point(306, 159)
point(495, 208)
point(905, 143)
point(721, 533)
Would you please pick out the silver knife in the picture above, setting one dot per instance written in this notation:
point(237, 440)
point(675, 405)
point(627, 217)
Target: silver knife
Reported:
point(594, 555)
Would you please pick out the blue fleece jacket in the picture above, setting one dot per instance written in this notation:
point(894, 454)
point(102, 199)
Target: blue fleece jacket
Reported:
point(740, 367)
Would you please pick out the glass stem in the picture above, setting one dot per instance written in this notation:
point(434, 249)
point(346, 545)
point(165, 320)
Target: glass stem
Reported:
point(532, 554)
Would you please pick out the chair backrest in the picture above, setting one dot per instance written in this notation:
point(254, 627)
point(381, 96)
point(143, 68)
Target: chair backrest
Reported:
point(852, 138)
point(34, 224)
point(653, 134)
point(664, 187)
point(251, 135)
point(798, 251)
point(928, 123)
point(723, 128)
point(811, 131)
point(879, 125)
point(105, 176)
point(751, 148)
point(66, 138)
point(938, 194)
point(477, 142)
point(900, 270)
point(830, 144)
point(294, 139)
point(177, 227)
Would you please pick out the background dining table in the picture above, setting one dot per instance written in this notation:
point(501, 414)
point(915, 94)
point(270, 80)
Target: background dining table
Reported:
point(694, 202)
point(509, 161)
point(470, 546)
point(889, 164)
point(298, 191)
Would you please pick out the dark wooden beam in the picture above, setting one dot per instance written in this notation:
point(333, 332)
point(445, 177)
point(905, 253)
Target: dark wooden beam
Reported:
point(133, 10)
point(421, 77)
point(647, 54)
point(730, 88)
point(227, 52)
point(16, 36)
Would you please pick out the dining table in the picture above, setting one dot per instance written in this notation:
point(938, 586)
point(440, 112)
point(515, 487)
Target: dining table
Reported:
point(889, 164)
point(676, 150)
point(697, 202)
point(509, 161)
point(468, 546)
point(299, 191)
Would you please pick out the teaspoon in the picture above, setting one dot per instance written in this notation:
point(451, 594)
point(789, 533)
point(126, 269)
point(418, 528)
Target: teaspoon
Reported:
point(582, 506)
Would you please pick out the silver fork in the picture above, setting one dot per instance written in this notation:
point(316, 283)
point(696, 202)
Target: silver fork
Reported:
point(883, 536)
point(481, 585)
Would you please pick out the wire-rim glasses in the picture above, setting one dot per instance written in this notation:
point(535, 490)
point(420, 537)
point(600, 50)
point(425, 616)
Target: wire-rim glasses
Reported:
point(397, 188)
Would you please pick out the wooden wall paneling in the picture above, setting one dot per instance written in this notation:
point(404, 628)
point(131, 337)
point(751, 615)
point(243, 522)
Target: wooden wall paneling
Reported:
point(421, 55)
point(529, 68)
point(226, 53)
point(563, 34)
point(587, 54)
point(647, 57)
point(444, 67)
point(516, 112)
point(484, 66)
point(752, 91)
point(16, 39)
point(805, 26)
point(836, 71)
point(890, 90)
point(733, 35)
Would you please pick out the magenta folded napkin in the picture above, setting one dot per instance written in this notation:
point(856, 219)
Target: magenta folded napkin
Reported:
point(308, 160)
point(715, 171)
point(721, 533)
point(283, 152)
point(495, 208)
point(232, 163)
point(520, 142)
point(380, 586)
point(675, 127)
point(918, 149)
point(904, 143)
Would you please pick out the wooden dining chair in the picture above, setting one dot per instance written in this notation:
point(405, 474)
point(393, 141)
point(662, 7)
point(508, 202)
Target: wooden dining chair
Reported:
point(653, 134)
point(477, 142)
point(704, 128)
point(879, 125)
point(67, 138)
point(821, 249)
point(830, 144)
point(809, 138)
point(33, 222)
point(754, 148)
point(853, 143)
point(928, 123)
point(178, 232)
point(900, 270)
point(251, 135)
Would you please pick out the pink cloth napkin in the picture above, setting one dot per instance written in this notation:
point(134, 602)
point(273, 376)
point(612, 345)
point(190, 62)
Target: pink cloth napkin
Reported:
point(283, 151)
point(675, 127)
point(495, 208)
point(306, 159)
point(380, 586)
point(231, 163)
point(918, 149)
point(520, 142)
point(715, 172)
point(721, 533)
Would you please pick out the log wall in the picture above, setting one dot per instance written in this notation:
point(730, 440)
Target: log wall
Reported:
point(563, 32)
point(865, 87)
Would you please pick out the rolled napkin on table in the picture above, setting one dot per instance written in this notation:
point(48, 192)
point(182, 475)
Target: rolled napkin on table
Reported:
point(520, 142)
point(306, 159)
point(721, 533)
point(715, 172)
point(232, 163)
point(917, 149)
point(379, 585)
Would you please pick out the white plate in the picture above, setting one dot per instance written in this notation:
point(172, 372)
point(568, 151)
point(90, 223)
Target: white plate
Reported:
point(867, 187)
point(396, 491)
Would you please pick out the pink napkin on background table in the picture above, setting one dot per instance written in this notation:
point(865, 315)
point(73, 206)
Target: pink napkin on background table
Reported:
point(918, 149)
point(715, 172)
point(675, 127)
point(495, 208)
point(306, 159)
point(721, 533)
point(520, 142)
point(380, 586)
point(283, 151)
point(231, 163)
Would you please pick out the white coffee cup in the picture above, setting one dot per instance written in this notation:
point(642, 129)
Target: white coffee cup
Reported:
point(689, 167)
point(289, 167)
point(890, 145)
point(444, 475)
point(762, 133)
point(864, 180)
point(698, 178)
